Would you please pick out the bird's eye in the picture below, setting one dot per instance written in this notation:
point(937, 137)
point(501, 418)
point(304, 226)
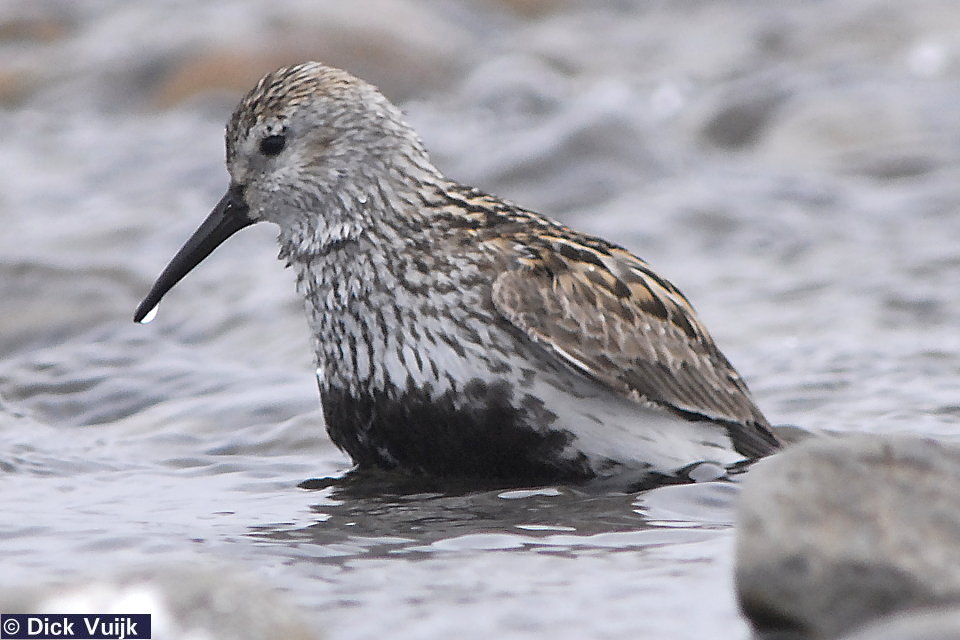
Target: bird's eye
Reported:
point(272, 145)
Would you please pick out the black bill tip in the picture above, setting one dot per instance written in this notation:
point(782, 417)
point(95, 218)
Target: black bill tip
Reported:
point(229, 216)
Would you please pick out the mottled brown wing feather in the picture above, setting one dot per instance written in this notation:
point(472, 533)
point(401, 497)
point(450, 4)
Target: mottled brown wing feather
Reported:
point(606, 313)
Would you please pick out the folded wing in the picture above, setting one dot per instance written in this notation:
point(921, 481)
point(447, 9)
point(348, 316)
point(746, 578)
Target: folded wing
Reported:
point(607, 314)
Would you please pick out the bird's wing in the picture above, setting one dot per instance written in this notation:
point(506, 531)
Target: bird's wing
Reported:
point(606, 313)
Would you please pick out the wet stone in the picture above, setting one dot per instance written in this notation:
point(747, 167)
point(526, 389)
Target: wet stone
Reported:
point(208, 602)
point(922, 624)
point(836, 532)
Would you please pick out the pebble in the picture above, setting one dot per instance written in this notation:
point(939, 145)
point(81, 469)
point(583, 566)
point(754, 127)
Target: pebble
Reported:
point(209, 603)
point(839, 531)
point(922, 624)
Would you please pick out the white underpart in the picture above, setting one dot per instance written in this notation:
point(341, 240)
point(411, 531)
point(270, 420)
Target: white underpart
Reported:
point(609, 427)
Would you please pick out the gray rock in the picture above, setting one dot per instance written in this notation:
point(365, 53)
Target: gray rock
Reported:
point(922, 624)
point(208, 603)
point(835, 532)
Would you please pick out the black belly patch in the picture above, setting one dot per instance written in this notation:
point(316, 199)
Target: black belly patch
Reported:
point(478, 433)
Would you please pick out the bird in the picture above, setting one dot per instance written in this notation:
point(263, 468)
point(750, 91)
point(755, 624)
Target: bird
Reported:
point(459, 335)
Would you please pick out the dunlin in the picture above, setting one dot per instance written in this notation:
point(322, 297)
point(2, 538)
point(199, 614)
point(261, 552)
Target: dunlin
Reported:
point(458, 334)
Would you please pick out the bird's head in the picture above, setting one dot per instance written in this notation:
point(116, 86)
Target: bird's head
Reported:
point(310, 148)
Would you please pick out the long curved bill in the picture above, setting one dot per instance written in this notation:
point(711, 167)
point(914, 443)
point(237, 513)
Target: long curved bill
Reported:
point(229, 216)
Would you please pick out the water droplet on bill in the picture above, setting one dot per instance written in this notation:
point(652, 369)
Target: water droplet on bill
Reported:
point(147, 319)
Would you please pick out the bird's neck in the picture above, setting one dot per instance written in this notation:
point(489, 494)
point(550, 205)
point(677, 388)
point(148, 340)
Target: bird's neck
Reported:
point(378, 296)
point(351, 254)
point(382, 203)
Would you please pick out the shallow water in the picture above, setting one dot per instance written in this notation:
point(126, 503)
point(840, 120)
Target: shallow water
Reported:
point(793, 170)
